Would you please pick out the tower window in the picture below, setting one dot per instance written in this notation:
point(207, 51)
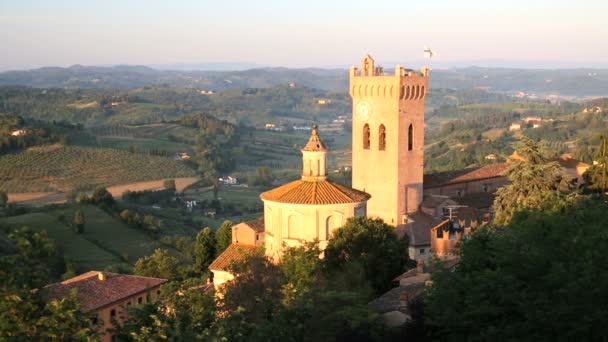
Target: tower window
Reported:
point(382, 138)
point(410, 138)
point(366, 137)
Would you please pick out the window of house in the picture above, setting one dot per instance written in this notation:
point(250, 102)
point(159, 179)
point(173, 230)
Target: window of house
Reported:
point(486, 188)
point(382, 138)
point(112, 313)
point(139, 300)
point(128, 304)
point(421, 250)
point(452, 235)
point(439, 233)
point(158, 292)
point(410, 138)
point(366, 137)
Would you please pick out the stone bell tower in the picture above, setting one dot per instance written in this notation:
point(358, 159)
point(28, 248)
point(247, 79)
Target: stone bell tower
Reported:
point(388, 138)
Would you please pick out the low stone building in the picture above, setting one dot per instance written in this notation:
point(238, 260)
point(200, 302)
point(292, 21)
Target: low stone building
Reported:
point(108, 295)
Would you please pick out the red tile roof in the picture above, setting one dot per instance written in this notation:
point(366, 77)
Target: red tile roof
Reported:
point(257, 224)
point(234, 252)
point(94, 293)
point(314, 143)
point(418, 229)
point(437, 179)
point(320, 191)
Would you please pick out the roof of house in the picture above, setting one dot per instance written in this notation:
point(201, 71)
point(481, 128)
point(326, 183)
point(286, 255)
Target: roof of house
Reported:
point(315, 191)
point(567, 162)
point(234, 252)
point(314, 143)
point(94, 293)
point(418, 229)
point(477, 200)
point(257, 224)
point(433, 201)
point(437, 179)
point(392, 300)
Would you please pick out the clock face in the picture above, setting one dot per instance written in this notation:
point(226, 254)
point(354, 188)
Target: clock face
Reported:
point(363, 110)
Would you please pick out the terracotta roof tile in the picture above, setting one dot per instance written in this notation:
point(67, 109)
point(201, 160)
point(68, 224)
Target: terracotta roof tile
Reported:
point(315, 192)
point(466, 175)
point(94, 293)
point(234, 252)
point(314, 143)
point(257, 224)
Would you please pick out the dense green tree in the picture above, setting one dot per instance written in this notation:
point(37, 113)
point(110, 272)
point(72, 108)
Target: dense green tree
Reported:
point(3, 199)
point(599, 173)
point(204, 249)
point(540, 278)
point(79, 221)
point(102, 196)
point(374, 245)
point(183, 313)
point(160, 265)
point(256, 292)
point(169, 184)
point(531, 182)
point(223, 236)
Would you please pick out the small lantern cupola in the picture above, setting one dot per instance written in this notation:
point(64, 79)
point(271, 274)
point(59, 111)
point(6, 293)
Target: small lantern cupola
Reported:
point(314, 157)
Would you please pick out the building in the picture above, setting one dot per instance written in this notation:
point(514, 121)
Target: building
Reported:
point(307, 209)
point(458, 183)
point(107, 294)
point(515, 127)
point(388, 138)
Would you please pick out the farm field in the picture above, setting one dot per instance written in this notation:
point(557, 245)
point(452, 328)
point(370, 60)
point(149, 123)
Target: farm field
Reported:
point(62, 168)
point(105, 241)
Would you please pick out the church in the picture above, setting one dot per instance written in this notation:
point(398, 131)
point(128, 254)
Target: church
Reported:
point(387, 175)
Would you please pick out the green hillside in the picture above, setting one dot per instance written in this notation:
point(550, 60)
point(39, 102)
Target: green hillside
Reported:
point(62, 168)
point(105, 241)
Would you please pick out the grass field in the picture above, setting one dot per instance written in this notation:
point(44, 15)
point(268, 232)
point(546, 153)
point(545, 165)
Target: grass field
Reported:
point(61, 168)
point(105, 241)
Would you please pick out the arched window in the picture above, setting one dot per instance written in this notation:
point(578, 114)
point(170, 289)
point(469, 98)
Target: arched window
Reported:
point(382, 138)
point(366, 137)
point(410, 138)
point(332, 223)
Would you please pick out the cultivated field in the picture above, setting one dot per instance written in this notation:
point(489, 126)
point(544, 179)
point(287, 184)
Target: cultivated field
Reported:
point(62, 168)
point(105, 241)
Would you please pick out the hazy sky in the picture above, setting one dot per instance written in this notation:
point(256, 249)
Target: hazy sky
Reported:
point(303, 33)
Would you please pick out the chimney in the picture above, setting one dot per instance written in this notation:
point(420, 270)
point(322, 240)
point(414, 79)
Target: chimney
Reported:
point(403, 297)
point(420, 266)
point(101, 276)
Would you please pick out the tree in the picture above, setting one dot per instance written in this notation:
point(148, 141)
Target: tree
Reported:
point(169, 184)
point(256, 290)
point(263, 176)
point(102, 196)
point(373, 245)
point(160, 265)
point(79, 221)
point(599, 173)
point(204, 249)
point(540, 278)
point(3, 199)
point(532, 181)
point(223, 236)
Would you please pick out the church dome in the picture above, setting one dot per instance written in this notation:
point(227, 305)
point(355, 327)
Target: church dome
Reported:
point(315, 192)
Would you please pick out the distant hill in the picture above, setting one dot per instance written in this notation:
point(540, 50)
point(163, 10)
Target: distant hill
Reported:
point(562, 82)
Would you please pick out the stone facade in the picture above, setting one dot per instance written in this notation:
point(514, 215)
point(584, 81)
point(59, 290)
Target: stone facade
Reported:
point(388, 138)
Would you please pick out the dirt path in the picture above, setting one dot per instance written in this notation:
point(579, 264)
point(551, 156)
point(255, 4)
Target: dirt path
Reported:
point(39, 198)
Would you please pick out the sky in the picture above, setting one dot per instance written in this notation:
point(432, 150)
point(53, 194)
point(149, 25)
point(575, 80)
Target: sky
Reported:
point(311, 33)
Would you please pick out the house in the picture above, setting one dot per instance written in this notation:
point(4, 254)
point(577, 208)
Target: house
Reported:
point(18, 132)
point(107, 295)
point(462, 222)
point(460, 182)
point(515, 127)
point(418, 231)
point(490, 156)
point(229, 180)
point(247, 237)
point(395, 305)
point(181, 156)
